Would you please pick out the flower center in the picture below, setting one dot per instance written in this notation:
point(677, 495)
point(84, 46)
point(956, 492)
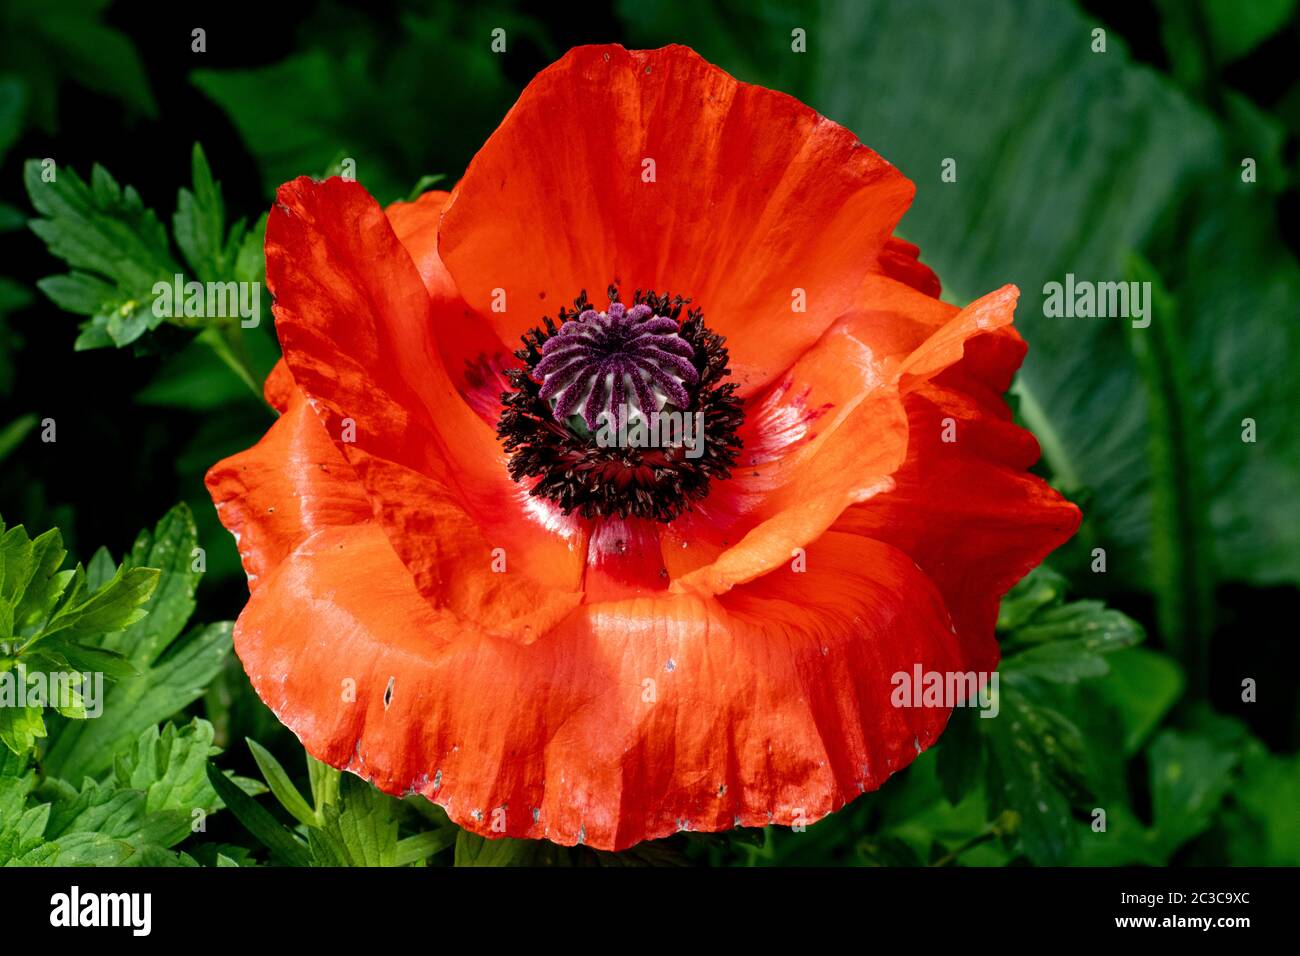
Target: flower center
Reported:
point(622, 412)
point(616, 365)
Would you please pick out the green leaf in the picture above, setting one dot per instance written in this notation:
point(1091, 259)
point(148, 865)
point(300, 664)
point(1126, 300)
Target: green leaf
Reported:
point(17, 778)
point(199, 225)
point(282, 844)
point(324, 783)
point(123, 265)
point(413, 849)
point(162, 689)
point(173, 665)
point(1262, 826)
point(1201, 36)
point(282, 786)
point(20, 726)
point(54, 626)
point(1066, 643)
point(961, 754)
point(117, 248)
point(170, 766)
point(135, 816)
point(1141, 688)
point(1035, 758)
point(1190, 776)
point(474, 850)
point(359, 830)
point(1031, 742)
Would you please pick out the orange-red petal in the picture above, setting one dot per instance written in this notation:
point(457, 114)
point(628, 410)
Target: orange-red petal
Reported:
point(358, 328)
point(634, 719)
point(657, 170)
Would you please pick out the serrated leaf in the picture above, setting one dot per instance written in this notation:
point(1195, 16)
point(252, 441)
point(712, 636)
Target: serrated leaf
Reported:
point(20, 727)
point(359, 830)
point(116, 247)
point(86, 747)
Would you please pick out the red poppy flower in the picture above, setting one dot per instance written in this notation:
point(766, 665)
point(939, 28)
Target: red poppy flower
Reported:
point(459, 590)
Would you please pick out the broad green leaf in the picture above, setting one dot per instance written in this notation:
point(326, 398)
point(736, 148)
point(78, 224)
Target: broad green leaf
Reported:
point(1141, 687)
point(1263, 828)
point(1035, 758)
point(1190, 775)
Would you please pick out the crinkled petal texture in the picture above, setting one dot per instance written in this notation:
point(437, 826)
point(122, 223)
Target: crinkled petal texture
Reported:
point(417, 618)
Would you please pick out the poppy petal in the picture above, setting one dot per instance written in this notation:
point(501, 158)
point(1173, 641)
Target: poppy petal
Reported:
point(656, 170)
point(358, 329)
point(900, 260)
point(471, 351)
point(963, 505)
point(292, 482)
point(829, 435)
point(631, 721)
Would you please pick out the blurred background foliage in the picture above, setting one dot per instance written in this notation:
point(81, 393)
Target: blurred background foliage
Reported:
point(1122, 164)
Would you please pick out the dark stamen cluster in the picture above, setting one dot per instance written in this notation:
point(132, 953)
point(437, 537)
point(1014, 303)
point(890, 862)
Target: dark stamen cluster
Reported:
point(568, 464)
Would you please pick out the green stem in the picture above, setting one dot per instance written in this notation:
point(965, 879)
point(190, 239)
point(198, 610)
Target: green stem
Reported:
point(1181, 559)
point(227, 342)
point(991, 832)
point(1054, 453)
